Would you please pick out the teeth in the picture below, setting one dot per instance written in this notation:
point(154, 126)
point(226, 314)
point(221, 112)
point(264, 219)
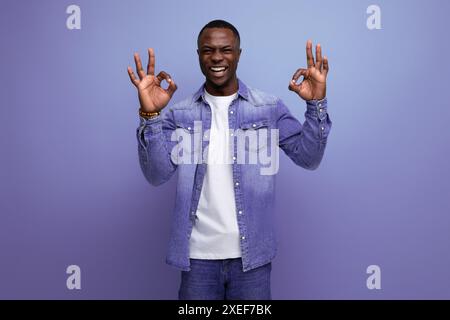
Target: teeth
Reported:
point(218, 69)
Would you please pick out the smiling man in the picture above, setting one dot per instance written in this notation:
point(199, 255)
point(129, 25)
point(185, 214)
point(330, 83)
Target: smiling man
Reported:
point(222, 235)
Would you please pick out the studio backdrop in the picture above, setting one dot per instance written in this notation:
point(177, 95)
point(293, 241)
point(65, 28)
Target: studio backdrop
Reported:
point(372, 222)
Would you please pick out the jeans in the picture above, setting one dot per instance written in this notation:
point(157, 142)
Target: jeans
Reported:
point(224, 280)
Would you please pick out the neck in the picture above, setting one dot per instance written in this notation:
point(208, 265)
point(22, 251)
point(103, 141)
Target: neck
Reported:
point(227, 89)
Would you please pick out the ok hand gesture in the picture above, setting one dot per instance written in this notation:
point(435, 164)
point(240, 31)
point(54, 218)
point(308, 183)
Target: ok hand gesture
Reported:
point(152, 97)
point(313, 86)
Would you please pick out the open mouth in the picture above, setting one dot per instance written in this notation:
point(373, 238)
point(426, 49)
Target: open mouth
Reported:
point(218, 71)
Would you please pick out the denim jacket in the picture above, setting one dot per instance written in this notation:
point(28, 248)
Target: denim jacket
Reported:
point(252, 111)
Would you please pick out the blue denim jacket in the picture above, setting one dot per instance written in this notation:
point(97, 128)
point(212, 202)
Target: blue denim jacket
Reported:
point(254, 192)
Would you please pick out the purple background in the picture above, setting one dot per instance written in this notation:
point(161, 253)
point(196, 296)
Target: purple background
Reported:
point(72, 191)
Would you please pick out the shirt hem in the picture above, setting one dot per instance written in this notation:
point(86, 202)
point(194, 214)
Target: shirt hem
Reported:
point(215, 256)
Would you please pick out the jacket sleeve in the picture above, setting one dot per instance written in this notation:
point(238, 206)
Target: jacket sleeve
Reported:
point(154, 147)
point(304, 144)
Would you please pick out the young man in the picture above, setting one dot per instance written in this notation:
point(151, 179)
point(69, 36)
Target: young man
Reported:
point(222, 234)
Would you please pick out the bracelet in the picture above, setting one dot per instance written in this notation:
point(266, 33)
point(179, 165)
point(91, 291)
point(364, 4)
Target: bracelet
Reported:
point(149, 115)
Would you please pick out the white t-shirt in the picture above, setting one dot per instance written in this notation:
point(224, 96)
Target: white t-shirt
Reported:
point(215, 234)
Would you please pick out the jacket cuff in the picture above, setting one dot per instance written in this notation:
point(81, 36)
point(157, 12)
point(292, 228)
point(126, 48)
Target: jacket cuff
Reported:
point(317, 108)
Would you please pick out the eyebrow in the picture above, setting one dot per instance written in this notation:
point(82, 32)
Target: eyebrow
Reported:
point(206, 46)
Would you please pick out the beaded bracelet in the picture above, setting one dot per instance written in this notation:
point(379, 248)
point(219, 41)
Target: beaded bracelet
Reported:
point(149, 115)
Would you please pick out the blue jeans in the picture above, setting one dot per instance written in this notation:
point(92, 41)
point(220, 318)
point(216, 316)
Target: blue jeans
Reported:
point(224, 280)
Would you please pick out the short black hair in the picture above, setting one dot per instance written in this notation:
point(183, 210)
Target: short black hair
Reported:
point(220, 24)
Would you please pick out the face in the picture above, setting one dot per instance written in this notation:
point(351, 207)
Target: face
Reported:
point(219, 52)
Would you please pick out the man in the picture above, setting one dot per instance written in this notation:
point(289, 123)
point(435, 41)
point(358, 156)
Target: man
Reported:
point(222, 235)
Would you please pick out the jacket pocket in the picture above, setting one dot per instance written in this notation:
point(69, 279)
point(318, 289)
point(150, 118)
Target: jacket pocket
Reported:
point(187, 150)
point(253, 134)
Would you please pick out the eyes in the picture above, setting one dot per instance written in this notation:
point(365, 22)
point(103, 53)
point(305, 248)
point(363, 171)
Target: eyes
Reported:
point(223, 50)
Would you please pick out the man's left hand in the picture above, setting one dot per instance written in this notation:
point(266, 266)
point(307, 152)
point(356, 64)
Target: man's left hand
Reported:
point(314, 84)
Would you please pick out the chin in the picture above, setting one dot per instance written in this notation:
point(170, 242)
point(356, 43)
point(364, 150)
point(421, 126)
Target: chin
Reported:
point(218, 82)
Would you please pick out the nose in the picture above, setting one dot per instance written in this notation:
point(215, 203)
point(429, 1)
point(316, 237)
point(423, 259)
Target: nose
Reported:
point(216, 56)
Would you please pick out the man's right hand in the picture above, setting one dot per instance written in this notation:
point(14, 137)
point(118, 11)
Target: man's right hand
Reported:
point(152, 97)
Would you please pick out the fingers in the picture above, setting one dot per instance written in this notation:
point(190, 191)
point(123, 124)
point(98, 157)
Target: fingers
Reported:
point(300, 72)
point(318, 64)
point(309, 55)
point(151, 71)
point(325, 66)
point(172, 86)
point(139, 69)
point(163, 76)
point(293, 86)
point(132, 76)
point(151, 62)
point(321, 64)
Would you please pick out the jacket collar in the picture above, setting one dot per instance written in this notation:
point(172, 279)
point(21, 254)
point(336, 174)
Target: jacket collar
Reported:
point(242, 91)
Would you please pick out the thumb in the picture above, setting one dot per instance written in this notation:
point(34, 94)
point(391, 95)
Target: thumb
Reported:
point(293, 86)
point(172, 87)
